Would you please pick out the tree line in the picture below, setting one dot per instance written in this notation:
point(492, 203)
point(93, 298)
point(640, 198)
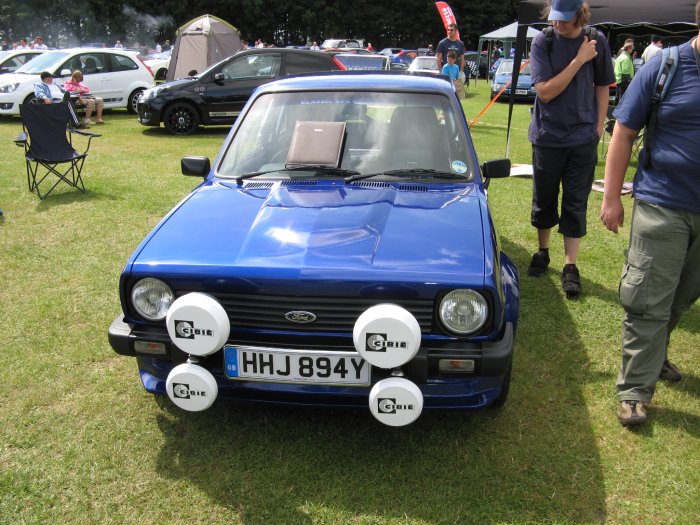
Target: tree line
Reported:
point(409, 23)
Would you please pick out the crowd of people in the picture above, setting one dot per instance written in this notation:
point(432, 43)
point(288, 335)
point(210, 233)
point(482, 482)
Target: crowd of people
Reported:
point(22, 43)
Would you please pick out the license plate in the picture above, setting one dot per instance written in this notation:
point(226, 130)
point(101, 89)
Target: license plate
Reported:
point(521, 91)
point(295, 366)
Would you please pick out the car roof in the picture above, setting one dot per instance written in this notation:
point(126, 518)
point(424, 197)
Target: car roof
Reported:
point(362, 81)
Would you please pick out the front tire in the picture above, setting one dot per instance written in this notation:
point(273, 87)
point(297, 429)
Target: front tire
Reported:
point(181, 118)
point(132, 104)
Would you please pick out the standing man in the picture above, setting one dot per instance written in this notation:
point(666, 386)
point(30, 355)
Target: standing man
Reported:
point(571, 75)
point(450, 43)
point(39, 44)
point(661, 276)
point(22, 44)
point(652, 49)
point(624, 68)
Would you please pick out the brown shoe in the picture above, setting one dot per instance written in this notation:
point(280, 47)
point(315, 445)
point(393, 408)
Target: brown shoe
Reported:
point(631, 412)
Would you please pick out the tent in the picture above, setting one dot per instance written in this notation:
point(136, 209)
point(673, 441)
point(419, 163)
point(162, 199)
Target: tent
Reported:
point(647, 16)
point(507, 35)
point(200, 43)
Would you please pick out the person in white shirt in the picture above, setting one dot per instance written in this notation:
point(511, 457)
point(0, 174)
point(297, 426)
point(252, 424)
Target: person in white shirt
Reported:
point(22, 44)
point(652, 49)
point(314, 47)
point(39, 43)
point(118, 45)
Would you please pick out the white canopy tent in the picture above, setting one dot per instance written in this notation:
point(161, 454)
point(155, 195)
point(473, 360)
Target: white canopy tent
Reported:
point(508, 35)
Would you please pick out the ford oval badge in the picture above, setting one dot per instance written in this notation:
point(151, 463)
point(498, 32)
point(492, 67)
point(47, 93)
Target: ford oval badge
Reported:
point(300, 317)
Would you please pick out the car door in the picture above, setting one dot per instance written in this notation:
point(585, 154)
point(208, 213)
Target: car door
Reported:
point(230, 87)
point(95, 71)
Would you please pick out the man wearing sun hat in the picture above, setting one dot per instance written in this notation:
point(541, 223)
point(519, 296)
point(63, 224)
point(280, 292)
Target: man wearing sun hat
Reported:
point(571, 75)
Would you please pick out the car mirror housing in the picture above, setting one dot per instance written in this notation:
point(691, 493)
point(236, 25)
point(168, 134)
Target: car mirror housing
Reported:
point(219, 78)
point(195, 166)
point(495, 169)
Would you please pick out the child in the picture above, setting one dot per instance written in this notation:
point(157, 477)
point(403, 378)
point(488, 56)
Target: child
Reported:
point(75, 85)
point(452, 70)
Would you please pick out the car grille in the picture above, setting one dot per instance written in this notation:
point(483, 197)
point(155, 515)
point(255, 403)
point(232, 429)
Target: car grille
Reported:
point(333, 314)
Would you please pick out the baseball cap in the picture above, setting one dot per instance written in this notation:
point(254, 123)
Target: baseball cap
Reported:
point(45, 74)
point(564, 10)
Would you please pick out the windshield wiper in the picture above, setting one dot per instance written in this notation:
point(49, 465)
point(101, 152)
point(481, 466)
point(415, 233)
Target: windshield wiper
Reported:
point(306, 167)
point(436, 174)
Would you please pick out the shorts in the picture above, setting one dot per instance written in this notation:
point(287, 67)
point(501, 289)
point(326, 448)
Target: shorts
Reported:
point(572, 168)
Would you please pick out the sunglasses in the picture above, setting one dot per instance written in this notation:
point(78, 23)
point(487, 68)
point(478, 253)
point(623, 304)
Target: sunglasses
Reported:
point(452, 30)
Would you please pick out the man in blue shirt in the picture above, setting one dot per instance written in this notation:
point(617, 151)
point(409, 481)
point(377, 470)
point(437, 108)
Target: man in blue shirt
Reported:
point(450, 43)
point(661, 276)
point(571, 75)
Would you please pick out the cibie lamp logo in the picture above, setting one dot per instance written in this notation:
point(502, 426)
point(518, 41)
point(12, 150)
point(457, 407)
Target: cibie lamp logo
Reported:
point(182, 391)
point(187, 330)
point(380, 343)
point(388, 405)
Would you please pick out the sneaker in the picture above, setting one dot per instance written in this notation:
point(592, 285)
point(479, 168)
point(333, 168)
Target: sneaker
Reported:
point(539, 264)
point(100, 121)
point(631, 412)
point(670, 372)
point(571, 281)
point(87, 122)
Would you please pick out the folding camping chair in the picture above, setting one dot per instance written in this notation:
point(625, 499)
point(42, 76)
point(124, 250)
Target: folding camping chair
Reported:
point(47, 138)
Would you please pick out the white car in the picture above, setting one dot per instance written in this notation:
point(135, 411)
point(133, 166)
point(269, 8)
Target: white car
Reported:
point(426, 64)
point(159, 63)
point(119, 77)
point(16, 58)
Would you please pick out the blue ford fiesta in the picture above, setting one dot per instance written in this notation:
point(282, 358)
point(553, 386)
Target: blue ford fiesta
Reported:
point(340, 252)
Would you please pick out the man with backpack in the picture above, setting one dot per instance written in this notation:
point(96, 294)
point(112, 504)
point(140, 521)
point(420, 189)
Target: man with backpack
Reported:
point(661, 275)
point(571, 70)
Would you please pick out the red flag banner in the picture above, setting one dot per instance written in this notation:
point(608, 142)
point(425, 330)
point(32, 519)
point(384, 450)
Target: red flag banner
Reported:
point(446, 14)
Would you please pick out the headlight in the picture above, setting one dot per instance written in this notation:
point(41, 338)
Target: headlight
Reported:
point(497, 87)
point(463, 311)
point(151, 298)
point(9, 88)
point(151, 93)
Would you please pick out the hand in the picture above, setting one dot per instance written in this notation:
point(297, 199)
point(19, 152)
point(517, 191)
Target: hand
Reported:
point(587, 51)
point(612, 213)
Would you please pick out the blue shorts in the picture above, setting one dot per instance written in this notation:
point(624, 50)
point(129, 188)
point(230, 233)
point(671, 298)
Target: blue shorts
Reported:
point(572, 168)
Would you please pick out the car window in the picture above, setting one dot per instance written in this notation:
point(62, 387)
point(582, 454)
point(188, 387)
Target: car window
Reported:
point(9, 65)
point(362, 62)
point(305, 62)
point(122, 63)
point(88, 63)
point(383, 132)
point(252, 66)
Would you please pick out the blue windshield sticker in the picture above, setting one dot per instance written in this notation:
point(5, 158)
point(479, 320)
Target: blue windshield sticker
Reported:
point(458, 166)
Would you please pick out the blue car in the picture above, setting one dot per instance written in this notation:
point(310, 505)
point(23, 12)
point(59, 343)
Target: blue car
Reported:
point(501, 79)
point(339, 252)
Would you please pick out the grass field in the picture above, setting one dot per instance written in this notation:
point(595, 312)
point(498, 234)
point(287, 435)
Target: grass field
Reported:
point(82, 442)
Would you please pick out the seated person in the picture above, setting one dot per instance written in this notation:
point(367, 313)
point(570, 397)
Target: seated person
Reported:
point(91, 102)
point(46, 92)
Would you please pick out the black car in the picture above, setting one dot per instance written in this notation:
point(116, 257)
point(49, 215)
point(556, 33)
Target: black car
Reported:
point(218, 94)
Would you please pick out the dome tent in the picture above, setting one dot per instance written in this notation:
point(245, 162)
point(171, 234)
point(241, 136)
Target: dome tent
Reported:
point(200, 43)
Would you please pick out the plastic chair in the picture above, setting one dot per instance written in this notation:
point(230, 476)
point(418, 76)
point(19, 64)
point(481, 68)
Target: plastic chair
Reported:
point(47, 139)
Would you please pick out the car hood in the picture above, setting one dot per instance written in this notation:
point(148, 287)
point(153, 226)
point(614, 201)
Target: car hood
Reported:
point(415, 232)
point(21, 78)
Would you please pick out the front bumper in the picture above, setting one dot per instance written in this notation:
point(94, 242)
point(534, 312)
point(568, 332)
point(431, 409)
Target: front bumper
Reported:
point(441, 391)
point(148, 115)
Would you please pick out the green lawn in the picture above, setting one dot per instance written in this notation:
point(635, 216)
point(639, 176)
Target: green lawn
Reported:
point(82, 442)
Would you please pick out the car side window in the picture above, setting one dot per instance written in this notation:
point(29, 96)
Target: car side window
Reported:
point(252, 66)
point(88, 63)
point(122, 63)
point(302, 63)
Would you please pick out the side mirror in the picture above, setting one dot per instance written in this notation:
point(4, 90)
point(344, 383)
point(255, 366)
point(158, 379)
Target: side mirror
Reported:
point(65, 72)
point(219, 78)
point(495, 169)
point(195, 166)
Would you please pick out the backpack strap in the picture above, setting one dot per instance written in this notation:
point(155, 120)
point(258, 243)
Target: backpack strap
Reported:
point(588, 31)
point(667, 69)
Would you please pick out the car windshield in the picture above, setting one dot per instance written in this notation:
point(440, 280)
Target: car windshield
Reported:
point(424, 63)
point(506, 68)
point(407, 134)
point(45, 62)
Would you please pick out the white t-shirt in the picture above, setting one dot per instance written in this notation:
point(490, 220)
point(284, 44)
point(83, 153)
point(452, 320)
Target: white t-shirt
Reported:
point(56, 93)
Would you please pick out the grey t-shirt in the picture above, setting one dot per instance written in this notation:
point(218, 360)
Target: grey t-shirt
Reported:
point(571, 119)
